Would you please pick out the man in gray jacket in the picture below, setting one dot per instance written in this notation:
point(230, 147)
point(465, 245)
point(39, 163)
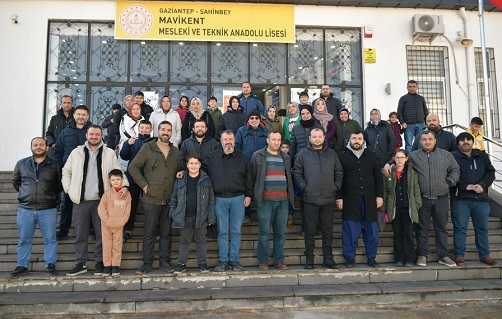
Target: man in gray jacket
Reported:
point(273, 189)
point(319, 175)
point(437, 171)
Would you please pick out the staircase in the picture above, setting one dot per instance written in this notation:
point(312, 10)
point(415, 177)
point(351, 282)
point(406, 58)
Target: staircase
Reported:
point(39, 294)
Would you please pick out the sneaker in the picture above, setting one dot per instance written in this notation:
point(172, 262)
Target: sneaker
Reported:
point(408, 264)
point(180, 268)
point(399, 264)
point(447, 262)
point(115, 271)
point(127, 235)
point(309, 264)
point(19, 271)
point(235, 265)
point(422, 261)
point(107, 271)
point(488, 260)
point(280, 265)
point(222, 265)
point(291, 220)
point(459, 261)
point(144, 269)
point(350, 262)
point(98, 269)
point(80, 268)
point(166, 266)
point(203, 268)
point(51, 269)
point(263, 266)
point(61, 235)
point(372, 263)
point(329, 263)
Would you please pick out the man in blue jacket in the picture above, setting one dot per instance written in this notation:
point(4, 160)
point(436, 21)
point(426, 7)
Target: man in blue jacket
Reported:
point(469, 198)
point(249, 100)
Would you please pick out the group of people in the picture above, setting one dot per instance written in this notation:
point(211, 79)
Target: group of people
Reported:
point(202, 168)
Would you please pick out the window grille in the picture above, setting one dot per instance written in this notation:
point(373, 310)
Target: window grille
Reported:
point(492, 86)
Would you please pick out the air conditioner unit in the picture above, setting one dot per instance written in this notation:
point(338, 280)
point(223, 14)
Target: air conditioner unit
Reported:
point(426, 27)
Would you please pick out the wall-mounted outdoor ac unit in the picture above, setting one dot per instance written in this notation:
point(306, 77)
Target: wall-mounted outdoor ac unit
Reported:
point(426, 27)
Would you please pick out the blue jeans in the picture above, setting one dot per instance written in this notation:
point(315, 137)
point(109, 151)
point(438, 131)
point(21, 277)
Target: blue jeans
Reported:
point(26, 223)
point(411, 131)
point(479, 212)
point(230, 214)
point(272, 214)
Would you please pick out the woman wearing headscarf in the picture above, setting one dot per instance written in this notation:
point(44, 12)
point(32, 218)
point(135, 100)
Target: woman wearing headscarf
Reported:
point(233, 118)
point(326, 120)
point(344, 127)
point(301, 131)
point(196, 113)
point(379, 138)
point(292, 117)
point(272, 120)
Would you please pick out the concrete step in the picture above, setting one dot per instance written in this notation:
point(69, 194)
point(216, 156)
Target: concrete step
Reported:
point(233, 292)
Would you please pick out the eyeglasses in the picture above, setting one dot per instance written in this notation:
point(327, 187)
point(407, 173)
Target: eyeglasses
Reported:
point(466, 139)
point(254, 118)
point(400, 157)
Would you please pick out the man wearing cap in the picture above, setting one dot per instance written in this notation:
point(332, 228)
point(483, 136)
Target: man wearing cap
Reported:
point(110, 128)
point(469, 198)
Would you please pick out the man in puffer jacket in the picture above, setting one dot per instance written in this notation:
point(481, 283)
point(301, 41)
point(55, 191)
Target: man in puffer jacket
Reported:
point(437, 172)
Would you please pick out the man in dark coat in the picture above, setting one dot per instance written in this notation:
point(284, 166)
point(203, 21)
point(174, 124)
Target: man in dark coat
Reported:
point(359, 198)
point(332, 103)
point(318, 174)
point(146, 109)
point(110, 127)
point(60, 121)
point(444, 139)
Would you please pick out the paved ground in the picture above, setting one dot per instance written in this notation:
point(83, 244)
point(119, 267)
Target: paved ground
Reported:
point(467, 311)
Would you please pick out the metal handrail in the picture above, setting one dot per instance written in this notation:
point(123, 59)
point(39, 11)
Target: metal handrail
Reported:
point(465, 128)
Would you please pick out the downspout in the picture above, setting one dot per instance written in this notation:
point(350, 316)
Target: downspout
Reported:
point(471, 69)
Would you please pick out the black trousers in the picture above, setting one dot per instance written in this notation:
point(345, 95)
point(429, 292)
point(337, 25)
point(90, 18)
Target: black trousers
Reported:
point(135, 192)
point(323, 215)
point(156, 217)
point(404, 248)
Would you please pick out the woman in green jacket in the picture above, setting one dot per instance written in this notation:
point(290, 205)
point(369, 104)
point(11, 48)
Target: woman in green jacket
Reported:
point(343, 128)
point(402, 200)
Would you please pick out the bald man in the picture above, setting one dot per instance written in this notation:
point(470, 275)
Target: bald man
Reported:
point(444, 139)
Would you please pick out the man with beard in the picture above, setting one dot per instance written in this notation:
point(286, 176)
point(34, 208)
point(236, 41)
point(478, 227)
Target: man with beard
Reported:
point(437, 171)
point(273, 189)
point(160, 161)
point(38, 180)
point(59, 121)
point(359, 199)
point(469, 198)
point(85, 179)
point(166, 113)
point(199, 143)
point(228, 169)
point(71, 137)
point(319, 175)
point(444, 139)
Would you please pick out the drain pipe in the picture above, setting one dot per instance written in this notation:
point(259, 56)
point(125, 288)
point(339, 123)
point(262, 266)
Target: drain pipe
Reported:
point(471, 69)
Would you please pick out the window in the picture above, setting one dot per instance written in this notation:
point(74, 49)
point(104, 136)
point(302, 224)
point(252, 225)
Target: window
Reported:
point(492, 87)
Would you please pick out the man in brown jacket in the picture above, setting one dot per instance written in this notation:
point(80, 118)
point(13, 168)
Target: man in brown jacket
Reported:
point(160, 162)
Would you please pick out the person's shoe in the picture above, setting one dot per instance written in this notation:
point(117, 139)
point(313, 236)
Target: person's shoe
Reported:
point(222, 265)
point(329, 263)
point(61, 235)
point(144, 269)
point(19, 271)
point(408, 264)
point(488, 260)
point(309, 264)
point(51, 269)
point(235, 265)
point(280, 265)
point(372, 263)
point(166, 266)
point(80, 268)
point(263, 266)
point(107, 271)
point(350, 263)
point(127, 235)
point(247, 219)
point(115, 271)
point(422, 261)
point(98, 269)
point(399, 264)
point(291, 220)
point(203, 268)
point(180, 268)
point(447, 262)
point(459, 261)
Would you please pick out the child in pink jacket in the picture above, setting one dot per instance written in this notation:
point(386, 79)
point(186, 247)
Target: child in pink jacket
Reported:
point(114, 213)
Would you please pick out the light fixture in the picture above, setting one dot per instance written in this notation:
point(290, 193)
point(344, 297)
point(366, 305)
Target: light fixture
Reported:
point(181, 43)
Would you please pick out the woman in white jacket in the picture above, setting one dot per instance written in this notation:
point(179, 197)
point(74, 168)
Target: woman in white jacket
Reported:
point(129, 125)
